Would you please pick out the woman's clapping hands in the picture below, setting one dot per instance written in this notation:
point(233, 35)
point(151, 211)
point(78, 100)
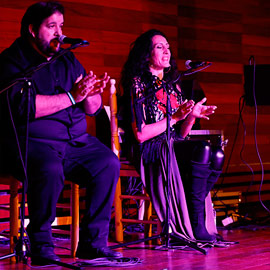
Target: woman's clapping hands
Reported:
point(203, 111)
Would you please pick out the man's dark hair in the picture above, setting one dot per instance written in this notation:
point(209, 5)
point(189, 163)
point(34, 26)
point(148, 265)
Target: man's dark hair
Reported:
point(36, 14)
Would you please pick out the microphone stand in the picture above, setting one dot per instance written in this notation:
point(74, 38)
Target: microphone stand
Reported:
point(21, 250)
point(166, 229)
point(187, 72)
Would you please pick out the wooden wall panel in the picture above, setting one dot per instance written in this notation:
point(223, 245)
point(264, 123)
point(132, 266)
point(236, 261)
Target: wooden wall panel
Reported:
point(225, 33)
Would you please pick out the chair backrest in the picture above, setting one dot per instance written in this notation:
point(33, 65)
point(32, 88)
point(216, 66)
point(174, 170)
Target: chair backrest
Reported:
point(115, 145)
point(127, 170)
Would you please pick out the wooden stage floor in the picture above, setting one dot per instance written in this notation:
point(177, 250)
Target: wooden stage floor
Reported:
point(252, 253)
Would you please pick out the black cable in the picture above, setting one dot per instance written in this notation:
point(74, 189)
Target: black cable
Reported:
point(229, 160)
point(241, 105)
point(23, 163)
point(243, 147)
point(240, 119)
point(255, 133)
point(120, 262)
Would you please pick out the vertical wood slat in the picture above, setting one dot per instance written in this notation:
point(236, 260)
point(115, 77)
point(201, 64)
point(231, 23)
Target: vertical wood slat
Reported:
point(115, 145)
point(14, 209)
point(75, 215)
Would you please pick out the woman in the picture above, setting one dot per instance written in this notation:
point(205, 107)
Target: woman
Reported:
point(149, 73)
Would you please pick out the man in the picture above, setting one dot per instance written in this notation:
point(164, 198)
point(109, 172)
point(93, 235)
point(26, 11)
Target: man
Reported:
point(58, 145)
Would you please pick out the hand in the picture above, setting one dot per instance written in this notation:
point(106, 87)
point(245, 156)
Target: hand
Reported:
point(184, 110)
point(90, 85)
point(83, 86)
point(202, 111)
point(100, 84)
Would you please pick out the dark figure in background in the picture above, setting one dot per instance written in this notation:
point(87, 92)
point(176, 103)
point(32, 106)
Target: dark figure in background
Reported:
point(58, 146)
point(191, 89)
point(142, 114)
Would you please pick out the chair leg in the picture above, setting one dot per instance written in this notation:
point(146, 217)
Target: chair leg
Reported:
point(75, 208)
point(14, 215)
point(147, 216)
point(119, 235)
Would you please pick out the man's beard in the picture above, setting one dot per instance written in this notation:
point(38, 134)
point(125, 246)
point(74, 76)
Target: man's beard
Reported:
point(48, 49)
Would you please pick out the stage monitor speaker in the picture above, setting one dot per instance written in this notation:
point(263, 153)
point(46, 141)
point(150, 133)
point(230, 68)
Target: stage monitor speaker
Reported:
point(262, 88)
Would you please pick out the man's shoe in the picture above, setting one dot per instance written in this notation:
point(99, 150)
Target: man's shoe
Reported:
point(44, 256)
point(93, 253)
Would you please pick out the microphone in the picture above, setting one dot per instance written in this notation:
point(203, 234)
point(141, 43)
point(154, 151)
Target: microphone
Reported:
point(73, 41)
point(195, 64)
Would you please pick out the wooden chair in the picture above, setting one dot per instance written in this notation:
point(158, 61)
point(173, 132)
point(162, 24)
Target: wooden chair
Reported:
point(127, 170)
point(73, 219)
point(213, 136)
point(13, 208)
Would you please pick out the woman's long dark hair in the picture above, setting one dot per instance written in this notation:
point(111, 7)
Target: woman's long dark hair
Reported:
point(137, 63)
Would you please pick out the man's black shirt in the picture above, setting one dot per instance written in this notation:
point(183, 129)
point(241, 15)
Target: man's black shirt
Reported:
point(55, 78)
